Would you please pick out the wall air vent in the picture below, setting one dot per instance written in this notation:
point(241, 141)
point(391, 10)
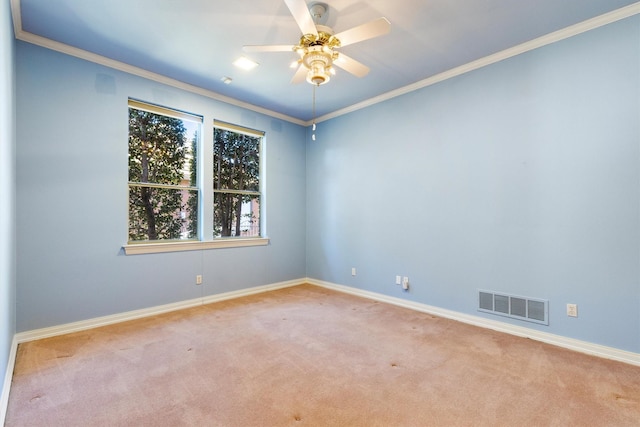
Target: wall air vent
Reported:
point(529, 309)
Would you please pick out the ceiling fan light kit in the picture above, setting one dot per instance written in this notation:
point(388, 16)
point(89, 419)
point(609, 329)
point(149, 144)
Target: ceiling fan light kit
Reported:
point(318, 46)
point(317, 55)
point(319, 65)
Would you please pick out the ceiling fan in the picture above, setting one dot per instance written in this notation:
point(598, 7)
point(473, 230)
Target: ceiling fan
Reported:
point(318, 47)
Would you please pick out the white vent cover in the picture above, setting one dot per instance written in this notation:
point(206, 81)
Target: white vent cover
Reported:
point(524, 308)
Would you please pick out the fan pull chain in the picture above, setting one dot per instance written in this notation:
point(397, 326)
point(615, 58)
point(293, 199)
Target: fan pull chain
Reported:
point(313, 127)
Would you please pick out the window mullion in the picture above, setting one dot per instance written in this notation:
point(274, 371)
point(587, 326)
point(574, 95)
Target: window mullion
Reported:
point(247, 192)
point(167, 186)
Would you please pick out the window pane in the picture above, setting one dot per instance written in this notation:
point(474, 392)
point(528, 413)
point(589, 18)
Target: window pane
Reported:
point(236, 215)
point(236, 184)
point(236, 161)
point(160, 148)
point(162, 213)
point(162, 152)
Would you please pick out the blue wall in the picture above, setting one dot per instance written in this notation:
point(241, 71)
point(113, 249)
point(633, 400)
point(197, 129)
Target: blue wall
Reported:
point(72, 197)
point(519, 177)
point(7, 191)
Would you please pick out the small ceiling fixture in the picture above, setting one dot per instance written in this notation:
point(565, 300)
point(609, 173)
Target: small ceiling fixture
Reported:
point(245, 63)
point(226, 80)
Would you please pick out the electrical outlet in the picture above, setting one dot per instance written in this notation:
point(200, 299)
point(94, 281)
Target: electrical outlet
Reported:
point(353, 271)
point(199, 279)
point(398, 280)
point(572, 310)
point(405, 283)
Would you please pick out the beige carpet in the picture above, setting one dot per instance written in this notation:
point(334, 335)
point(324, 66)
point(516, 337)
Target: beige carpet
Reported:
point(315, 357)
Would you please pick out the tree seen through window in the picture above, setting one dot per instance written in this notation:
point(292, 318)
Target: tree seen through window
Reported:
point(163, 196)
point(236, 184)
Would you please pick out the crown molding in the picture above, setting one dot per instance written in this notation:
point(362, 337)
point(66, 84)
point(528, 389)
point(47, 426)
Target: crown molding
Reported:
point(590, 24)
point(565, 33)
point(25, 36)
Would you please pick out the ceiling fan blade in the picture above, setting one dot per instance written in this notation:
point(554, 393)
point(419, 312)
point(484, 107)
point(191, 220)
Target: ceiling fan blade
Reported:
point(300, 75)
point(268, 48)
point(351, 65)
point(379, 27)
point(301, 14)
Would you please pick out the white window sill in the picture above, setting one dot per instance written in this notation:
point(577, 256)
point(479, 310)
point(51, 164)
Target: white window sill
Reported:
point(154, 248)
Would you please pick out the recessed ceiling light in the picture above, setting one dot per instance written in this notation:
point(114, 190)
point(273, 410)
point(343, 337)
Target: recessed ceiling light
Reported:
point(245, 63)
point(226, 80)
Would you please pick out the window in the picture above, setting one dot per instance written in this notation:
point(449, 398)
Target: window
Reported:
point(236, 181)
point(163, 192)
point(174, 204)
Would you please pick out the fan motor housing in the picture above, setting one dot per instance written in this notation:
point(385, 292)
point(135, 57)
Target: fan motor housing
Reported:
point(325, 37)
point(317, 54)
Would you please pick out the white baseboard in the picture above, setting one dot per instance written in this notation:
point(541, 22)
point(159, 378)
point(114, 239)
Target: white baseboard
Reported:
point(82, 325)
point(36, 334)
point(8, 377)
point(569, 343)
point(560, 341)
point(251, 291)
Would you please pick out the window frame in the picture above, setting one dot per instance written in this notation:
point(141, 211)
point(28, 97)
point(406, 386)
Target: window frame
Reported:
point(218, 124)
point(205, 192)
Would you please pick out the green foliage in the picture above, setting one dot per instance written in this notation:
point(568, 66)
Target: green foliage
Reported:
point(192, 203)
point(162, 162)
point(236, 166)
point(157, 154)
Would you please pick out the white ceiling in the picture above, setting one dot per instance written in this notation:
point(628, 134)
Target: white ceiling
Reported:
point(196, 41)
